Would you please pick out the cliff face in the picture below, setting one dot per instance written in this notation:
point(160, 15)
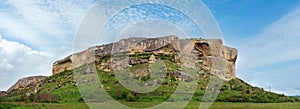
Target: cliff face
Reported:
point(26, 83)
point(213, 57)
point(3, 93)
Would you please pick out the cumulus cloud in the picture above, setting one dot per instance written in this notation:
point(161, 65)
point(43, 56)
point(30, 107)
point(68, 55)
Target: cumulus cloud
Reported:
point(18, 60)
point(38, 32)
point(272, 56)
point(35, 33)
point(36, 22)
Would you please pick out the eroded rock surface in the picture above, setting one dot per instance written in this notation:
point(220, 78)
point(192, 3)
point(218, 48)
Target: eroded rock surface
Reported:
point(26, 83)
point(211, 55)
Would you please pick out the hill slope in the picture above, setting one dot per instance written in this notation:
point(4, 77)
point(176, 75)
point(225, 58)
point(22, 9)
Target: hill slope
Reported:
point(185, 61)
point(62, 88)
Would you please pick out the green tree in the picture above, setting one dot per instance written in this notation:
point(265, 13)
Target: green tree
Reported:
point(31, 98)
point(124, 95)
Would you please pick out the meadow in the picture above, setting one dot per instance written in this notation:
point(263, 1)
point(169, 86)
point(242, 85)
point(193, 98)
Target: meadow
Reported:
point(61, 91)
point(192, 105)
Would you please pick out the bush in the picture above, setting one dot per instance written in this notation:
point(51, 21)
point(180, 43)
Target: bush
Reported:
point(130, 97)
point(238, 88)
point(46, 98)
point(235, 99)
point(124, 95)
point(80, 99)
point(31, 98)
point(225, 87)
point(7, 106)
point(145, 78)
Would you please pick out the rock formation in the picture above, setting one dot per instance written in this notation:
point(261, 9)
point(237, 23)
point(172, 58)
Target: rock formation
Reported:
point(213, 57)
point(3, 93)
point(26, 83)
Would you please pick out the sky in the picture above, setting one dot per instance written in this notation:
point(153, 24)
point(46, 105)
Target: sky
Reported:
point(35, 33)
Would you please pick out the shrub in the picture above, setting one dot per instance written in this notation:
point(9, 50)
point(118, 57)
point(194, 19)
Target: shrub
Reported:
point(145, 78)
point(80, 99)
point(124, 95)
point(130, 97)
point(31, 98)
point(46, 98)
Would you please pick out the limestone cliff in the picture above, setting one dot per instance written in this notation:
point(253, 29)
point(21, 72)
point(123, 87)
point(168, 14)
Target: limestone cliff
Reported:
point(213, 57)
point(26, 83)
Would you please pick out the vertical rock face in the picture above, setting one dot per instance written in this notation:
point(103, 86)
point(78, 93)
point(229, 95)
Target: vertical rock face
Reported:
point(62, 65)
point(213, 57)
point(26, 83)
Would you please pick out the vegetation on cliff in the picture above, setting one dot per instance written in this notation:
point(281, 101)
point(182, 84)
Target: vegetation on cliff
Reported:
point(61, 88)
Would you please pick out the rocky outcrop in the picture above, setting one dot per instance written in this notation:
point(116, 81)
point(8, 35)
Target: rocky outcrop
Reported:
point(213, 57)
point(3, 93)
point(26, 83)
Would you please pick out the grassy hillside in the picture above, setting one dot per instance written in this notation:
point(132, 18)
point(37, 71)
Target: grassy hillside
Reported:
point(193, 105)
point(62, 88)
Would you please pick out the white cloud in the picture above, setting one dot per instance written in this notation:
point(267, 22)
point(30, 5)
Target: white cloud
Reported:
point(49, 26)
point(35, 33)
point(272, 56)
point(38, 22)
point(18, 60)
point(278, 42)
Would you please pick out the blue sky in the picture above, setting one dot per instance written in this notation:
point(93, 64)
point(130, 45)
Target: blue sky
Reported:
point(244, 18)
point(33, 34)
point(266, 35)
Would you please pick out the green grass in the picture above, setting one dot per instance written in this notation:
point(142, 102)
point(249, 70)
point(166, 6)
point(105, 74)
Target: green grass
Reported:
point(193, 105)
point(226, 105)
point(65, 89)
point(43, 106)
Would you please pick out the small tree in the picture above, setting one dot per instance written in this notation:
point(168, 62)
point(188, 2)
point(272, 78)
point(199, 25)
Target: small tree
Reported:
point(124, 95)
point(31, 98)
